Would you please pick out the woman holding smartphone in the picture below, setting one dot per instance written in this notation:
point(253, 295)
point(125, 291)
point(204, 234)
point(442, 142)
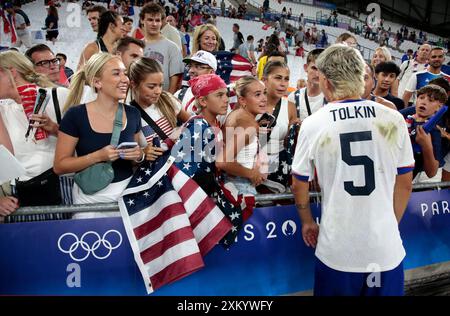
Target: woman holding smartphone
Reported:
point(147, 78)
point(87, 129)
point(276, 79)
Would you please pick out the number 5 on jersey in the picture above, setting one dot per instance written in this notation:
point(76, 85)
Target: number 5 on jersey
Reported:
point(369, 174)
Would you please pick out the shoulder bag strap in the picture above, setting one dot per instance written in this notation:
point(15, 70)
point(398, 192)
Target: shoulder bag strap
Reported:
point(56, 105)
point(406, 68)
point(150, 122)
point(102, 46)
point(117, 126)
point(297, 102)
point(308, 108)
point(276, 111)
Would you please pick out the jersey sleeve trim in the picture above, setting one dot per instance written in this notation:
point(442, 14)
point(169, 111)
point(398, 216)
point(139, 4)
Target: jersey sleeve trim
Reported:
point(404, 170)
point(300, 177)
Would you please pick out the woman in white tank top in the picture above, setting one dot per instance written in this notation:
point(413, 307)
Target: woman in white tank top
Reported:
point(239, 157)
point(276, 79)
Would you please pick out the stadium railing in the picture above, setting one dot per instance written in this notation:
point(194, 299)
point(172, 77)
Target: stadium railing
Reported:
point(113, 207)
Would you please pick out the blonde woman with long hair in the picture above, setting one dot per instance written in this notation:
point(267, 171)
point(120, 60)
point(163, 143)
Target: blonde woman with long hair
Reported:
point(21, 89)
point(18, 114)
point(86, 129)
point(239, 157)
point(8, 90)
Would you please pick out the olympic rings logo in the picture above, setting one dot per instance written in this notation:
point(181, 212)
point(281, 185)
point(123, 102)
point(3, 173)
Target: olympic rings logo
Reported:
point(100, 244)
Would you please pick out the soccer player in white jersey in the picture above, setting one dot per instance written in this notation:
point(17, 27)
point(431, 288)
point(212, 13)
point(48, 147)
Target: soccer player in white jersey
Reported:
point(361, 153)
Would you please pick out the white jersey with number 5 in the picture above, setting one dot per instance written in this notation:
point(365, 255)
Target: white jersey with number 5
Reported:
point(357, 148)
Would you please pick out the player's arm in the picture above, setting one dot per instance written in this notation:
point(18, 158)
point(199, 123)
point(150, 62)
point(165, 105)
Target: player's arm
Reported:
point(402, 191)
point(310, 229)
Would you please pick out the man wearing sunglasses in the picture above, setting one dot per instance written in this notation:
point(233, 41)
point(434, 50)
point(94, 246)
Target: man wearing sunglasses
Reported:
point(45, 62)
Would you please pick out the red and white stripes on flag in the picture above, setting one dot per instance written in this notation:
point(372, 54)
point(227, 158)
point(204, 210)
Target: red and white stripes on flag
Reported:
point(241, 68)
point(170, 222)
point(231, 66)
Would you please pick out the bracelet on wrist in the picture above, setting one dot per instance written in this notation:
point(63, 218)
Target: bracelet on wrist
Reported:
point(142, 158)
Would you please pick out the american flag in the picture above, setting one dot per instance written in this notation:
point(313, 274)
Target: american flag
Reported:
point(149, 132)
point(170, 221)
point(231, 67)
point(237, 207)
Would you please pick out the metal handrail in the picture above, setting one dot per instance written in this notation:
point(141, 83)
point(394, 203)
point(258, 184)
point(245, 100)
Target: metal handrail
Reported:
point(114, 207)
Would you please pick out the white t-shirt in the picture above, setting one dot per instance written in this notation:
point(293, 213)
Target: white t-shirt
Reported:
point(406, 70)
point(357, 149)
point(419, 80)
point(35, 156)
point(315, 103)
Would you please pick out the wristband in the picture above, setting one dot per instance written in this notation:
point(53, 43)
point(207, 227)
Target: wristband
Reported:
point(142, 158)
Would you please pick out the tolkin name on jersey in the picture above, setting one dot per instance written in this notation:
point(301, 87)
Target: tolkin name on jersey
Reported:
point(353, 112)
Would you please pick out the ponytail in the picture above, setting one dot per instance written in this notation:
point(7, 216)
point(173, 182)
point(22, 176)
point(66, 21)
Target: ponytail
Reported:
point(166, 105)
point(76, 89)
point(39, 79)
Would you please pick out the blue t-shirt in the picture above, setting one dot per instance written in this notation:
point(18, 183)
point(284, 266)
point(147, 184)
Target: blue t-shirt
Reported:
point(76, 124)
point(435, 140)
point(424, 78)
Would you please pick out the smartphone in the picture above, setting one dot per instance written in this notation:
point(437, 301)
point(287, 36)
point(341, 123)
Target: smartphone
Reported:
point(127, 145)
point(266, 120)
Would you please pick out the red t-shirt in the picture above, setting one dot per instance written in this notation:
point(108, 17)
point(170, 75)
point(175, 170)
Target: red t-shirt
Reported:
point(28, 93)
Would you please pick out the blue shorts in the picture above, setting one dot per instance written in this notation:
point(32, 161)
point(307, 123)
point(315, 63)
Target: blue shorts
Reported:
point(329, 282)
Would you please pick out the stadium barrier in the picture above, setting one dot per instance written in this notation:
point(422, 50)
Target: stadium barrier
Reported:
point(93, 256)
point(113, 207)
